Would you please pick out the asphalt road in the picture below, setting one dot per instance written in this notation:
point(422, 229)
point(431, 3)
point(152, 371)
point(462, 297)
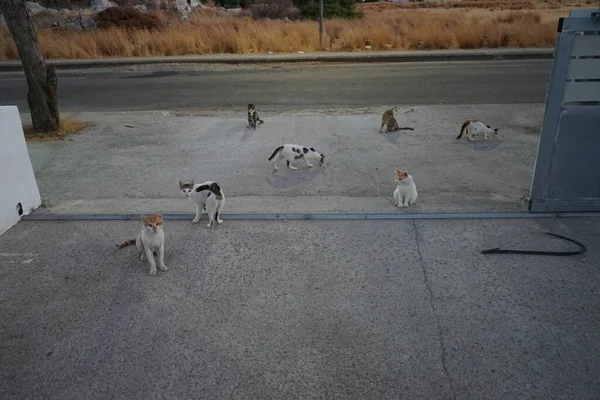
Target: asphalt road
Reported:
point(292, 87)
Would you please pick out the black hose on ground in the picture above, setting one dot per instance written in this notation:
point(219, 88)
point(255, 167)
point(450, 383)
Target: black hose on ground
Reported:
point(582, 249)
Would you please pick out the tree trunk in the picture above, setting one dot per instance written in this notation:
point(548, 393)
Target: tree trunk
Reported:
point(42, 96)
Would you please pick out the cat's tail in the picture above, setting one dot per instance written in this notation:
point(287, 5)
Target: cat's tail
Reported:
point(126, 243)
point(277, 150)
point(463, 129)
point(406, 128)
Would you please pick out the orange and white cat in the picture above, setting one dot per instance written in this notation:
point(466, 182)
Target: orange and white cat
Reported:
point(405, 194)
point(151, 240)
point(473, 127)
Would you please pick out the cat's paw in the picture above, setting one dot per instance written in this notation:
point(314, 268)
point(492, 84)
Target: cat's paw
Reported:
point(153, 271)
point(400, 205)
point(163, 267)
point(195, 220)
point(209, 224)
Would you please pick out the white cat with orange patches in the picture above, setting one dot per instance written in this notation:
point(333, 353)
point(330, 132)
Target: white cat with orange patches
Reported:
point(405, 194)
point(476, 128)
point(150, 240)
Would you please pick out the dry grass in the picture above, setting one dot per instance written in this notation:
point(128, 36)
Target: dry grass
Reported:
point(487, 4)
point(67, 127)
point(382, 29)
point(492, 5)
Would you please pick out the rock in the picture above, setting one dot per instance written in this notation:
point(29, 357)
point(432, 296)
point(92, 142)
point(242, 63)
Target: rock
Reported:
point(82, 23)
point(141, 8)
point(184, 11)
point(151, 4)
point(48, 18)
point(35, 8)
point(88, 22)
point(191, 3)
point(101, 5)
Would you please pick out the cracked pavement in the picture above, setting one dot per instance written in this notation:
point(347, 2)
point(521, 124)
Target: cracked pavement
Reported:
point(151, 152)
point(300, 309)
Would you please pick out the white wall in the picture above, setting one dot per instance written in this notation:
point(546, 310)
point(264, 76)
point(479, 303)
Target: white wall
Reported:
point(17, 181)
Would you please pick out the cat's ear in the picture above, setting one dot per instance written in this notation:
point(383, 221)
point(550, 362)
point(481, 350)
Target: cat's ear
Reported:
point(192, 182)
point(159, 214)
point(181, 185)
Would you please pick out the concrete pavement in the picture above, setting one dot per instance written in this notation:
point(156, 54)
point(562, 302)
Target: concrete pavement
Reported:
point(311, 310)
point(291, 87)
point(541, 53)
point(112, 168)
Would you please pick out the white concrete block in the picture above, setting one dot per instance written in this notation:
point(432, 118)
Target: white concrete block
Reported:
point(17, 180)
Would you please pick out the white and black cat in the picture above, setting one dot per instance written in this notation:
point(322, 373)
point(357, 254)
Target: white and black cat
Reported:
point(294, 152)
point(208, 196)
point(473, 128)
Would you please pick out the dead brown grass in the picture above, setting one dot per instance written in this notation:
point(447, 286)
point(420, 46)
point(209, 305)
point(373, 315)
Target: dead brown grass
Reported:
point(449, 4)
point(67, 127)
point(493, 5)
point(207, 33)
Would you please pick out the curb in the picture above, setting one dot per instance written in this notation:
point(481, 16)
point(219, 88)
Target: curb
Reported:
point(323, 57)
point(314, 217)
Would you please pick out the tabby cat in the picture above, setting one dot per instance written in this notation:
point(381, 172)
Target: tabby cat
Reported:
point(388, 120)
point(253, 118)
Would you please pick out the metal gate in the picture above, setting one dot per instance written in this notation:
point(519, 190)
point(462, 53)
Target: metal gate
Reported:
point(567, 169)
